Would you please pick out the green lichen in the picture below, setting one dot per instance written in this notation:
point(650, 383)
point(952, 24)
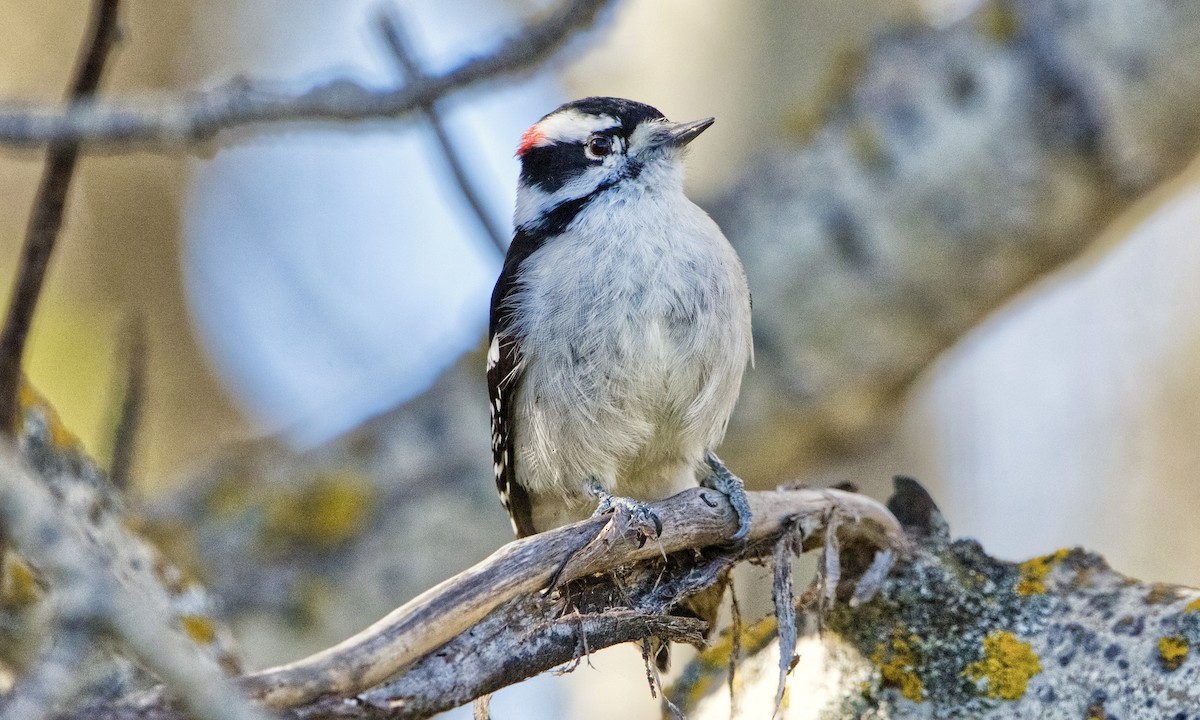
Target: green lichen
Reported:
point(998, 20)
point(1162, 594)
point(20, 586)
point(1006, 667)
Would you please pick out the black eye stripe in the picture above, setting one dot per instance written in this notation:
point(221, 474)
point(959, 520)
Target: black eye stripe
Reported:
point(552, 166)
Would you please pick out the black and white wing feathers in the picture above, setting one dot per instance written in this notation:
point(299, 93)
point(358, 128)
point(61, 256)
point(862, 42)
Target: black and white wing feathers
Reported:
point(504, 377)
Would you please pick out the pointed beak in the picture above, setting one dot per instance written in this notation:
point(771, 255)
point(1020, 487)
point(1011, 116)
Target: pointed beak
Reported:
point(677, 135)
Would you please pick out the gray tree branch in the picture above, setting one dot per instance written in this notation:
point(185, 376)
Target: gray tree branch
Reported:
point(166, 123)
point(392, 27)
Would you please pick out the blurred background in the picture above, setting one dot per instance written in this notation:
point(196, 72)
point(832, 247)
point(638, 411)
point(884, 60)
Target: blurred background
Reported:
point(315, 297)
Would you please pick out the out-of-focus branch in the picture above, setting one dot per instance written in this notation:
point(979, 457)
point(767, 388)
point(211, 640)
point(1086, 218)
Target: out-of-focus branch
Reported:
point(45, 220)
point(392, 28)
point(957, 166)
point(132, 399)
point(94, 600)
point(174, 121)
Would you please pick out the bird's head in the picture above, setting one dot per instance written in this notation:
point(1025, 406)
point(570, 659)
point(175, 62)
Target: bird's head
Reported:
point(595, 145)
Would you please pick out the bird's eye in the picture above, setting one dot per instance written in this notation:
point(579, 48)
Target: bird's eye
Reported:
point(598, 146)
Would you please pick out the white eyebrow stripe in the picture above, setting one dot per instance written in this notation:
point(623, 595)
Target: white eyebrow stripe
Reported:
point(574, 126)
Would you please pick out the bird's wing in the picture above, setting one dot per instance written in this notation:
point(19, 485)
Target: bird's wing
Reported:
point(504, 371)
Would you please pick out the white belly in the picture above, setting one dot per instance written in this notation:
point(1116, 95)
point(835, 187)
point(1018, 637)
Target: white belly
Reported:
point(633, 357)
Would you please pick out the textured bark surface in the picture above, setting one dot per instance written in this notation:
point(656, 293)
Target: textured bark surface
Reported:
point(958, 633)
point(495, 624)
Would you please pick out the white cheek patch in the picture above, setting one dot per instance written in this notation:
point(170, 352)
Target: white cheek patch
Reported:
point(532, 202)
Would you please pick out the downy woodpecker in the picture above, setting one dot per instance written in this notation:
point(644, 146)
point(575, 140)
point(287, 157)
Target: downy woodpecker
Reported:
point(620, 324)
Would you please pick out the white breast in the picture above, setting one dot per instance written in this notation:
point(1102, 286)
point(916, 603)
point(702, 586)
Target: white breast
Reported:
point(635, 331)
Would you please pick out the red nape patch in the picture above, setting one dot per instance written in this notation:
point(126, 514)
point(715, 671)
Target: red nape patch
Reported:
point(531, 139)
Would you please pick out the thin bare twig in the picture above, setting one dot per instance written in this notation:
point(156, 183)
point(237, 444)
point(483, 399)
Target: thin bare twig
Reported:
point(132, 397)
point(481, 708)
point(180, 121)
point(735, 647)
point(392, 28)
point(45, 220)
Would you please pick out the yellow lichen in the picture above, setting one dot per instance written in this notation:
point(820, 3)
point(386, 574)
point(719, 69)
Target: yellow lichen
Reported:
point(1034, 572)
point(897, 661)
point(1193, 606)
point(1006, 667)
point(230, 496)
point(1162, 594)
point(1172, 650)
point(711, 665)
point(325, 512)
point(199, 628)
point(30, 399)
point(998, 20)
point(21, 586)
point(752, 639)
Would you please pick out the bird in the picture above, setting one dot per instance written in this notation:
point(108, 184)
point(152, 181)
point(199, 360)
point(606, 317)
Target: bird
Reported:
point(620, 324)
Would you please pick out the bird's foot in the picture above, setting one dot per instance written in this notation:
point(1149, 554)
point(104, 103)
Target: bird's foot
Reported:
point(632, 513)
point(730, 485)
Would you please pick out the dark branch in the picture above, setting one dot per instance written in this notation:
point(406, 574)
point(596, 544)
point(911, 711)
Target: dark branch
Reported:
point(45, 220)
point(463, 670)
point(132, 398)
point(392, 28)
point(202, 115)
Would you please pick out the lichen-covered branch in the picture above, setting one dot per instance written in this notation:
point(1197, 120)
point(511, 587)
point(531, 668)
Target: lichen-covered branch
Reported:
point(955, 632)
point(162, 123)
point(96, 593)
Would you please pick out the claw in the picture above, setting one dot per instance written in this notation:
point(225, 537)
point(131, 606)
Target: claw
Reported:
point(730, 485)
point(636, 514)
